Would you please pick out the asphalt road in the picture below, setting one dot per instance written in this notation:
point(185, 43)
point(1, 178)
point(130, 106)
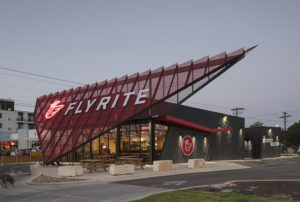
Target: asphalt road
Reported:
point(129, 190)
point(265, 169)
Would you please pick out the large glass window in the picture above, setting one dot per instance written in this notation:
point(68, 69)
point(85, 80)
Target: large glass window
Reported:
point(160, 136)
point(135, 138)
point(145, 137)
point(108, 143)
point(112, 141)
point(124, 132)
point(96, 148)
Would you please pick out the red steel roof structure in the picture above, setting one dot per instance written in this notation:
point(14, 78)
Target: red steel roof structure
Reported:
point(66, 120)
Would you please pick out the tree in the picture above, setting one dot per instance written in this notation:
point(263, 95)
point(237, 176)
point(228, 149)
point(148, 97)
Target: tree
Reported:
point(257, 124)
point(291, 137)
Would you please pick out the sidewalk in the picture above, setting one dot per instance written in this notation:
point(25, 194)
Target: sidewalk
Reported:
point(147, 172)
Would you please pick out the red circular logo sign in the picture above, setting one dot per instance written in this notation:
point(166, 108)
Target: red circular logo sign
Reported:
point(187, 145)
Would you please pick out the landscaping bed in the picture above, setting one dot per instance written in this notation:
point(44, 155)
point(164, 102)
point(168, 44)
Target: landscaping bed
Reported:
point(289, 190)
point(191, 195)
point(47, 179)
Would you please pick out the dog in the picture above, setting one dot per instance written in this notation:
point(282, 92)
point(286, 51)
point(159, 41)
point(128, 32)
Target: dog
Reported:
point(6, 178)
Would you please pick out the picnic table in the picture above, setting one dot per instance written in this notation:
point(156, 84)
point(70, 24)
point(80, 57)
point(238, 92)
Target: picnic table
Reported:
point(93, 164)
point(132, 160)
point(105, 157)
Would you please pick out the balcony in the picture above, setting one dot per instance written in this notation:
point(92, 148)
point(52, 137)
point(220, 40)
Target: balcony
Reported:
point(21, 119)
point(30, 119)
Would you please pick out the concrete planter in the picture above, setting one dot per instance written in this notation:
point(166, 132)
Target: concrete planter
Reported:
point(196, 163)
point(121, 169)
point(162, 165)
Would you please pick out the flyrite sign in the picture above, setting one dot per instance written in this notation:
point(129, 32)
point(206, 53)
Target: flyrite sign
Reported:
point(101, 103)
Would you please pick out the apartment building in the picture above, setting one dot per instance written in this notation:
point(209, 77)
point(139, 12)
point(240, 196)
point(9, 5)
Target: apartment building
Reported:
point(11, 120)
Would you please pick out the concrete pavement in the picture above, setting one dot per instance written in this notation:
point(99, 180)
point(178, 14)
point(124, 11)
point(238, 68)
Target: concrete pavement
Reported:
point(100, 186)
point(147, 172)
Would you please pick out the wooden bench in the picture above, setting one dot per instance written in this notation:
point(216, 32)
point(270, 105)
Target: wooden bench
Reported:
point(92, 165)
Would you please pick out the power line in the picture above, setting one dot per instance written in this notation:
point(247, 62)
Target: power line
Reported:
point(24, 101)
point(39, 75)
point(44, 81)
point(21, 88)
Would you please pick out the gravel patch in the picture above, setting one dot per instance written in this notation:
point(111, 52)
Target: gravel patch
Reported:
point(47, 179)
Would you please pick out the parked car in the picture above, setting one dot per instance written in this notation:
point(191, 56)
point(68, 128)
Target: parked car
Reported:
point(36, 149)
point(27, 151)
point(20, 152)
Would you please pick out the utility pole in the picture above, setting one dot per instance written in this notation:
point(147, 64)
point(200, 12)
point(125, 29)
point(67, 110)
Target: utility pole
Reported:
point(237, 111)
point(284, 116)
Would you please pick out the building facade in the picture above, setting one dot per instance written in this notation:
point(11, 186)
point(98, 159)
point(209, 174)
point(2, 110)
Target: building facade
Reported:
point(141, 114)
point(11, 121)
point(262, 142)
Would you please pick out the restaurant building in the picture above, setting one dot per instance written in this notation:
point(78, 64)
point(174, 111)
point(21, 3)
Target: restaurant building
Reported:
point(141, 114)
point(262, 142)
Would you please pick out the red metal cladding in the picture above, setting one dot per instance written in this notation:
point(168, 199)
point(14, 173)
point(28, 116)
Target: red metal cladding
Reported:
point(65, 120)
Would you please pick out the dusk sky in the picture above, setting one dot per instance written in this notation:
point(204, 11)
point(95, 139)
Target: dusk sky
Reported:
point(89, 41)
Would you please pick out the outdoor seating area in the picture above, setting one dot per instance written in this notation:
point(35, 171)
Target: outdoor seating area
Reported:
point(102, 162)
point(98, 169)
point(125, 164)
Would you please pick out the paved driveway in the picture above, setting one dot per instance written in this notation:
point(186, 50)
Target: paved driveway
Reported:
point(285, 168)
point(83, 192)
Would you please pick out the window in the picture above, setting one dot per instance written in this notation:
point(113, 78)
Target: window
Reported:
point(9, 119)
point(0, 125)
point(20, 126)
point(160, 136)
point(0, 115)
point(20, 116)
point(9, 129)
point(30, 117)
point(31, 126)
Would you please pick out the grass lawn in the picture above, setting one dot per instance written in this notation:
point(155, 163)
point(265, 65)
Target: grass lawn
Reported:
point(190, 195)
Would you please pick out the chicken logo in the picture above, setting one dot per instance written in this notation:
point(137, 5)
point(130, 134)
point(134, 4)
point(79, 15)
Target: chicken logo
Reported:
point(54, 108)
point(187, 145)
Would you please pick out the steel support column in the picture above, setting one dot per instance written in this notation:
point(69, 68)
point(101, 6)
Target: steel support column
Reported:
point(151, 141)
point(118, 142)
point(91, 150)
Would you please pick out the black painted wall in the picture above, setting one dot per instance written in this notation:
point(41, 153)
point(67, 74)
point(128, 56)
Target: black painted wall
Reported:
point(219, 146)
point(255, 135)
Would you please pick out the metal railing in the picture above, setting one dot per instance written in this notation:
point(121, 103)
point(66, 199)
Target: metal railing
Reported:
point(33, 157)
